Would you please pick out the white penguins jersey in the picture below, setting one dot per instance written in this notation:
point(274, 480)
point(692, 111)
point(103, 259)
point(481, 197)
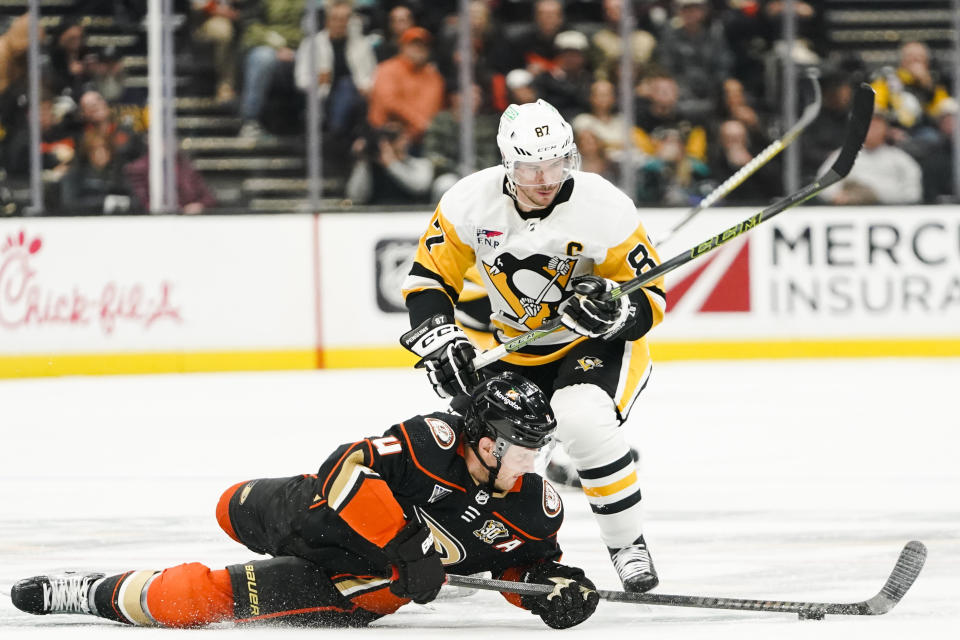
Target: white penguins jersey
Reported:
point(527, 262)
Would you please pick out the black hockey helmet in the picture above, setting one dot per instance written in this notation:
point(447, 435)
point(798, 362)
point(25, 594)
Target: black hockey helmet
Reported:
point(510, 409)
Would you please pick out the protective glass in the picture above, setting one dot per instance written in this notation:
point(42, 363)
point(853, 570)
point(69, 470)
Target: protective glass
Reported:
point(544, 172)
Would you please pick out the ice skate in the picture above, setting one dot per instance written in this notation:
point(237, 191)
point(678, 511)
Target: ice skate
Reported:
point(635, 567)
point(67, 592)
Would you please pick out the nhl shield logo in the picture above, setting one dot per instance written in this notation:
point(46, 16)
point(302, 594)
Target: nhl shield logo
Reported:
point(482, 497)
point(589, 362)
point(491, 530)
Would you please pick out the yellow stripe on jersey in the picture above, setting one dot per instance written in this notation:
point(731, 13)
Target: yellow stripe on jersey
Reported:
point(635, 255)
point(472, 286)
point(633, 375)
point(442, 253)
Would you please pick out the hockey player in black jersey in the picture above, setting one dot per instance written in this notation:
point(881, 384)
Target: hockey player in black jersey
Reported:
point(378, 526)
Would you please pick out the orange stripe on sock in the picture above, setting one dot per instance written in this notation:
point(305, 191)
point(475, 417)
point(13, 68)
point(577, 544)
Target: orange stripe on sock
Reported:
point(223, 510)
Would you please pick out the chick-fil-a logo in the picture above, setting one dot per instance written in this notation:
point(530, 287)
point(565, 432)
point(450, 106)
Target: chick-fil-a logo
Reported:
point(25, 301)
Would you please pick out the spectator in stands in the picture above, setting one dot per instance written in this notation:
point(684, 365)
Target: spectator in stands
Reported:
point(735, 105)
point(345, 65)
point(407, 87)
point(882, 174)
point(608, 45)
point(399, 20)
point(218, 26)
point(14, 132)
point(696, 53)
point(734, 150)
point(270, 41)
point(602, 119)
point(520, 87)
point(57, 142)
point(670, 176)
point(658, 108)
point(490, 55)
point(441, 144)
point(593, 153)
point(385, 173)
point(95, 183)
point(193, 195)
point(13, 52)
point(567, 85)
point(754, 27)
point(107, 75)
point(67, 72)
point(830, 125)
point(937, 158)
point(96, 119)
point(911, 92)
point(535, 45)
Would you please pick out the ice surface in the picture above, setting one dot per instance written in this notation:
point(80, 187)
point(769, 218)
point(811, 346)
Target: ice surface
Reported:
point(783, 480)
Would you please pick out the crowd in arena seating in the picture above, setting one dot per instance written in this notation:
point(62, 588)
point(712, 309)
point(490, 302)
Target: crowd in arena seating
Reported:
point(707, 90)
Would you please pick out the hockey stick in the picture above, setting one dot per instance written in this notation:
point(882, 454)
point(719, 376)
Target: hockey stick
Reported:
point(860, 116)
point(905, 571)
point(809, 114)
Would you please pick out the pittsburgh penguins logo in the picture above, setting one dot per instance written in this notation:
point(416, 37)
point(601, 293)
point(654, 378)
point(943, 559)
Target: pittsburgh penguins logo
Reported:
point(532, 286)
point(589, 362)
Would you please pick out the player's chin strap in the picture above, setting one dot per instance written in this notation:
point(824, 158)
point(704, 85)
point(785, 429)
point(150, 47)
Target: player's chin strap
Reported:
point(495, 470)
point(461, 405)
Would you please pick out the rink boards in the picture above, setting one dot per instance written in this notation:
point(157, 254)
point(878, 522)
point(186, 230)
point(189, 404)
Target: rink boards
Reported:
point(154, 294)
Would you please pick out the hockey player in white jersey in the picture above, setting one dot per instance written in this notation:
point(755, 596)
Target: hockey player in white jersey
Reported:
point(547, 240)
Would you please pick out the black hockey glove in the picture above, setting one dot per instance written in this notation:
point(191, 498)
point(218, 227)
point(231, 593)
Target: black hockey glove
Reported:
point(573, 600)
point(587, 314)
point(446, 353)
point(420, 571)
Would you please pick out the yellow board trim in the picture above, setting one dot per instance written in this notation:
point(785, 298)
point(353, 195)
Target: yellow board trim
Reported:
point(345, 358)
point(777, 349)
point(33, 365)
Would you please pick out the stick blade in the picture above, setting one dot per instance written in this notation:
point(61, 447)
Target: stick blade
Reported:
point(860, 116)
point(902, 577)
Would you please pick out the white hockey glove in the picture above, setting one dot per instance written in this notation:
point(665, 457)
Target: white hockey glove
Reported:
point(446, 353)
point(585, 313)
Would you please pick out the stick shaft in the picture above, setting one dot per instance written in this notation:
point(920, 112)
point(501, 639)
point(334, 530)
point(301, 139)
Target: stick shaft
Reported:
point(904, 574)
point(772, 150)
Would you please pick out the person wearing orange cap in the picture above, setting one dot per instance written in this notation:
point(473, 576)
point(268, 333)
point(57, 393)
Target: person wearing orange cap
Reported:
point(407, 88)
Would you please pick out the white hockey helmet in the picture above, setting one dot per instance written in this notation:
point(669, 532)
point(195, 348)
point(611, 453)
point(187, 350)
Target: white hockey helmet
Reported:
point(536, 144)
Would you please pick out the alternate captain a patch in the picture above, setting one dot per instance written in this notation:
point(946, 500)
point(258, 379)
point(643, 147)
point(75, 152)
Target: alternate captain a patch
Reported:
point(442, 433)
